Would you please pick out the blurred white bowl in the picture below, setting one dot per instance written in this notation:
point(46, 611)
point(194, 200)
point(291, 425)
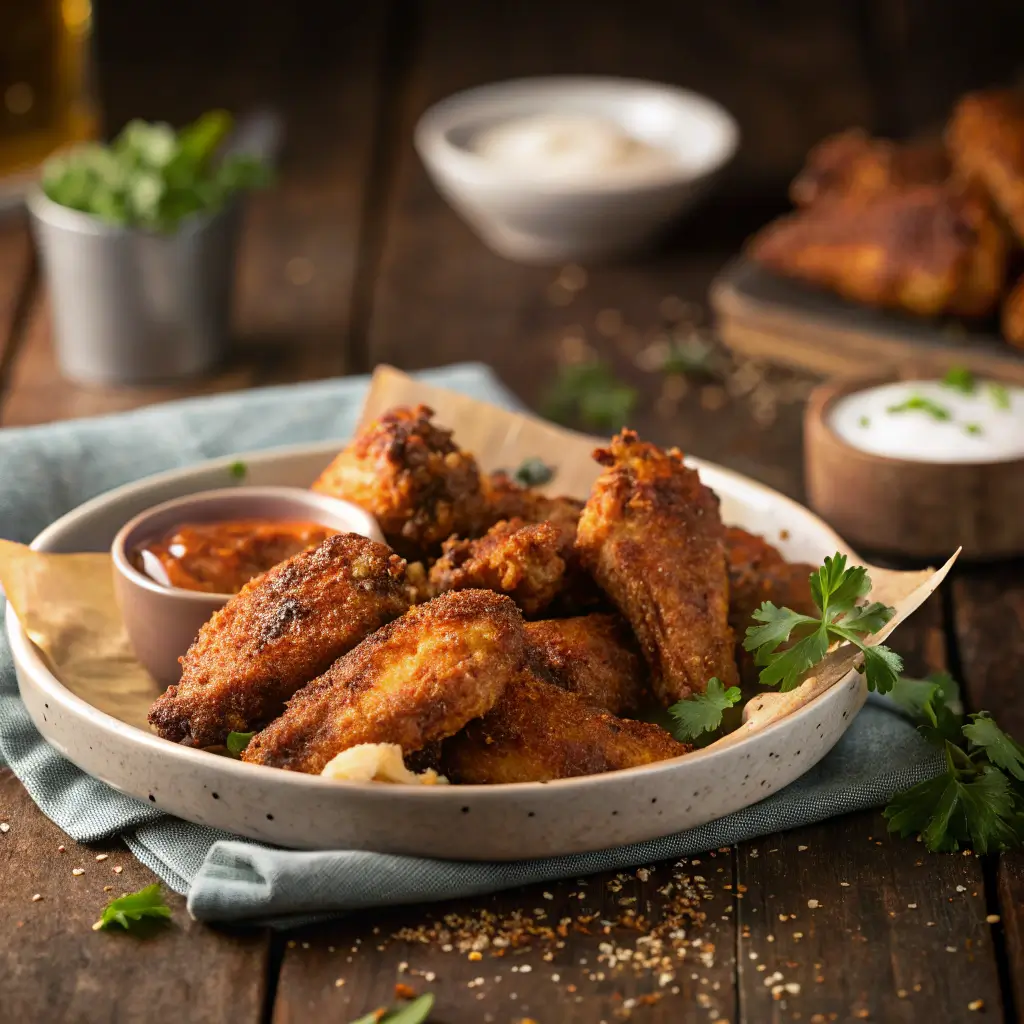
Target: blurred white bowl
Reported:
point(539, 221)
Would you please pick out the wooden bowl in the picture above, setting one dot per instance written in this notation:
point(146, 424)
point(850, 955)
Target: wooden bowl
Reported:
point(897, 506)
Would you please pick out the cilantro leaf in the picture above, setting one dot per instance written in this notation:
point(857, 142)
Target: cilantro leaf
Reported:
point(702, 712)
point(415, 1012)
point(959, 378)
point(237, 742)
point(934, 703)
point(920, 403)
point(786, 668)
point(882, 667)
point(1001, 750)
point(238, 470)
point(999, 395)
point(778, 624)
point(591, 393)
point(534, 472)
point(128, 910)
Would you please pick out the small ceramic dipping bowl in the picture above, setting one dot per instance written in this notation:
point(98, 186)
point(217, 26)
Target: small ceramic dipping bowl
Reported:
point(162, 621)
point(533, 220)
point(921, 508)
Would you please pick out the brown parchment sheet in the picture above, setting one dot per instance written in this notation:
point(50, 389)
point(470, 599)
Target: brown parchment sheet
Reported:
point(66, 603)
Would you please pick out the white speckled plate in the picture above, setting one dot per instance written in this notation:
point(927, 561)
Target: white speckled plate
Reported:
point(465, 822)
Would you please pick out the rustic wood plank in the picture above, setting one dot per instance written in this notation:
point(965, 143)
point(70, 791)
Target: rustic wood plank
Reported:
point(54, 967)
point(341, 970)
point(302, 239)
point(17, 279)
point(843, 922)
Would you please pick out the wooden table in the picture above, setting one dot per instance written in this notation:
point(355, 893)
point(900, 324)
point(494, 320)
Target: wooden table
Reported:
point(353, 260)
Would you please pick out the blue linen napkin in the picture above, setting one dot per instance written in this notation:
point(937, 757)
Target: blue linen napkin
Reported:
point(50, 470)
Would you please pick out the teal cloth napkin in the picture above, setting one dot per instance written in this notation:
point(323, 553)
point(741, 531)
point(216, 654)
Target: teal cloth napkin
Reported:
point(49, 470)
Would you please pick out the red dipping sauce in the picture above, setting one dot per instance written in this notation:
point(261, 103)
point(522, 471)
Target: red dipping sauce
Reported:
point(220, 558)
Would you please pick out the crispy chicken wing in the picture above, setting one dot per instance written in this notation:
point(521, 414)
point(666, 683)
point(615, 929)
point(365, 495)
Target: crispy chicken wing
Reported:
point(985, 137)
point(758, 573)
point(1013, 315)
point(652, 538)
point(538, 732)
point(408, 472)
point(280, 631)
point(854, 167)
point(928, 250)
point(515, 558)
point(415, 681)
point(505, 499)
point(593, 656)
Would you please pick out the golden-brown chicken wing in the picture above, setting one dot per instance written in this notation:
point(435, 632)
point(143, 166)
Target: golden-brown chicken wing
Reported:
point(418, 680)
point(408, 472)
point(985, 137)
point(1013, 315)
point(515, 558)
point(505, 499)
point(928, 250)
point(538, 732)
point(593, 656)
point(280, 631)
point(758, 573)
point(652, 537)
point(854, 167)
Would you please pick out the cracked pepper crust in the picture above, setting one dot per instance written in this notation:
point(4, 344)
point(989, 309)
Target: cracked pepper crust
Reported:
point(652, 537)
point(418, 680)
point(593, 656)
point(412, 477)
point(281, 630)
point(538, 732)
point(514, 557)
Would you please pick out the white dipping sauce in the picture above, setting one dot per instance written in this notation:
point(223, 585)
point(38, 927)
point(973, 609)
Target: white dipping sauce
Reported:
point(986, 425)
point(569, 147)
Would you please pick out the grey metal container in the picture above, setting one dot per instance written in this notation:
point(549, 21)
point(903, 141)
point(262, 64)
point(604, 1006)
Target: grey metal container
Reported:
point(131, 306)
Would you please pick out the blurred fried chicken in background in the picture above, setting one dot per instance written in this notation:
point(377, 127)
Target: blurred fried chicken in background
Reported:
point(652, 538)
point(410, 475)
point(1013, 315)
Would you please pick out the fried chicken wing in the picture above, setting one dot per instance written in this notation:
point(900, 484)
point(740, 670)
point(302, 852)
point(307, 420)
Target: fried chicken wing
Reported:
point(417, 680)
point(409, 473)
point(757, 573)
point(593, 656)
point(854, 167)
point(514, 557)
point(1013, 315)
point(652, 537)
point(505, 499)
point(985, 137)
point(928, 250)
point(538, 732)
point(280, 631)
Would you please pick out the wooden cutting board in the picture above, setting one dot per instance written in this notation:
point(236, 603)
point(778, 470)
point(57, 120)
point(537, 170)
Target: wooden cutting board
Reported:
point(775, 320)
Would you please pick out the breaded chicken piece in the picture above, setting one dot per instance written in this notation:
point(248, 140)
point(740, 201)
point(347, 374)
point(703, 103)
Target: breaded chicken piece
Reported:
point(758, 573)
point(929, 250)
point(593, 656)
point(985, 137)
point(854, 167)
point(515, 558)
point(408, 473)
point(505, 499)
point(652, 537)
point(281, 630)
point(1013, 315)
point(418, 680)
point(538, 732)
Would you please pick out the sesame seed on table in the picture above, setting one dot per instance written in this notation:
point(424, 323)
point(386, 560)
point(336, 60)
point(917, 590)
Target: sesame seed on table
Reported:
point(352, 260)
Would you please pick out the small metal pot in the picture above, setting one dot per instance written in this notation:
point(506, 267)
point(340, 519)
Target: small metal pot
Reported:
point(132, 306)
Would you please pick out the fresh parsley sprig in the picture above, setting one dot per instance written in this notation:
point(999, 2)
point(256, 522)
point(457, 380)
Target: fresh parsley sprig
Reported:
point(127, 911)
point(415, 1012)
point(978, 800)
point(702, 712)
point(591, 394)
point(237, 742)
point(534, 472)
point(836, 590)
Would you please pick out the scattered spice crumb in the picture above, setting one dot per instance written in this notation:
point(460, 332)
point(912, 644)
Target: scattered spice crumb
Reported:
point(77, 871)
point(961, 888)
point(992, 919)
point(801, 848)
point(37, 897)
point(60, 849)
point(102, 856)
point(403, 991)
point(813, 904)
point(977, 1004)
point(108, 888)
point(118, 869)
point(338, 982)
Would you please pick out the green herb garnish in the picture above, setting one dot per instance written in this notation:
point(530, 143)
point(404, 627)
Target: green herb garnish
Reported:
point(237, 742)
point(591, 393)
point(151, 176)
point(959, 378)
point(999, 395)
point(693, 356)
point(702, 712)
point(127, 911)
point(864, 421)
point(920, 403)
point(978, 800)
point(973, 428)
point(415, 1012)
point(534, 472)
point(836, 591)
point(238, 470)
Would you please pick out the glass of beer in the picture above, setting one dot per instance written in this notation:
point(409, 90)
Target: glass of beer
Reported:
point(45, 100)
